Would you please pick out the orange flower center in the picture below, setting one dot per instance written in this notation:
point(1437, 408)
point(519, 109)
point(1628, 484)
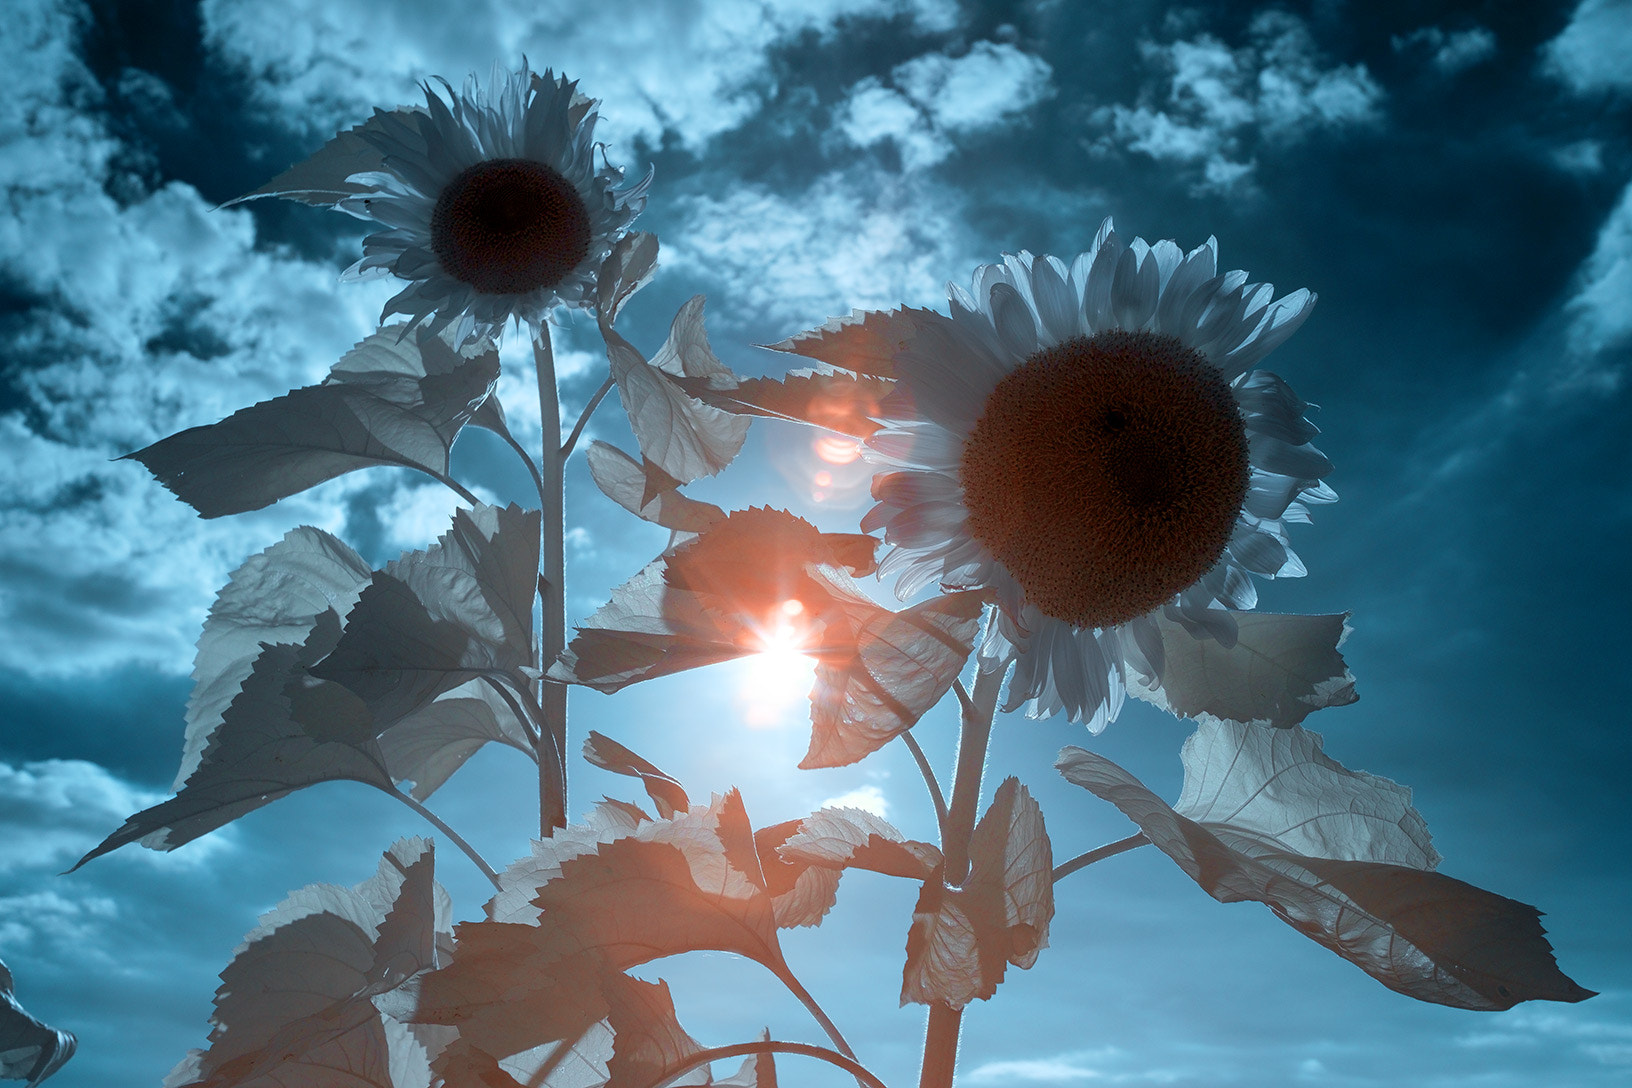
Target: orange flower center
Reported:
point(1106, 474)
point(508, 226)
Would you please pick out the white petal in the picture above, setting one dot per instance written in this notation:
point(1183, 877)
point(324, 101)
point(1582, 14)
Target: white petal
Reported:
point(1055, 303)
point(1012, 317)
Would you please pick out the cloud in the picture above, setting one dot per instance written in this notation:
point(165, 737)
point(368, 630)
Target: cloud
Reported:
point(868, 798)
point(1589, 54)
point(1449, 53)
point(1601, 309)
point(858, 238)
point(1212, 106)
point(935, 98)
point(690, 68)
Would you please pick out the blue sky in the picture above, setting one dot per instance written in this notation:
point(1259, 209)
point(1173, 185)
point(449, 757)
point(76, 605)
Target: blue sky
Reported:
point(1455, 180)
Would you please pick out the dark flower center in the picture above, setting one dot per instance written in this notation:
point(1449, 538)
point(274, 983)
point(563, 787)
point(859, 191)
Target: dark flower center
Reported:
point(1106, 474)
point(508, 226)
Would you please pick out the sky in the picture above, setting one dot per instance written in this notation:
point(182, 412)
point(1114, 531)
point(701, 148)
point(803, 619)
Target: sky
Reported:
point(1453, 179)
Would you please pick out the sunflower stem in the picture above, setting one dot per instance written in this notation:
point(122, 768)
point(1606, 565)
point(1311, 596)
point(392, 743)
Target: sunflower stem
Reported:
point(945, 1022)
point(583, 417)
point(773, 1046)
point(930, 781)
point(552, 698)
point(1099, 853)
point(457, 839)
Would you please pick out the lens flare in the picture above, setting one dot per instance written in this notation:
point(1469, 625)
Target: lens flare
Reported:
point(778, 678)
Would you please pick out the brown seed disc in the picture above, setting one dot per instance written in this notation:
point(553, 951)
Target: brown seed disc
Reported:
point(1106, 474)
point(508, 226)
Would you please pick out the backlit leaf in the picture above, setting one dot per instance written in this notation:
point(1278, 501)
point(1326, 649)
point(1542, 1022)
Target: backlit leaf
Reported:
point(866, 342)
point(29, 1050)
point(852, 838)
point(392, 400)
point(676, 432)
point(840, 402)
point(801, 893)
point(963, 939)
point(1341, 857)
point(646, 491)
point(628, 268)
point(664, 790)
point(428, 745)
point(321, 178)
point(1281, 669)
point(297, 1005)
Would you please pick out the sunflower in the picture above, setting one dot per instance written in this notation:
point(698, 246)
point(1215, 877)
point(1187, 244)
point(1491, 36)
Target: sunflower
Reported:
point(493, 203)
point(1093, 443)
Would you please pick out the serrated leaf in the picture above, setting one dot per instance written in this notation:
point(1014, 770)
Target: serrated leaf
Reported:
point(427, 746)
point(276, 596)
point(963, 939)
point(851, 838)
point(676, 432)
point(284, 731)
point(664, 790)
point(865, 342)
point(436, 619)
point(321, 178)
point(801, 893)
point(844, 403)
point(896, 666)
point(628, 268)
point(646, 491)
point(1281, 669)
point(297, 1005)
point(390, 401)
point(1341, 857)
point(29, 1049)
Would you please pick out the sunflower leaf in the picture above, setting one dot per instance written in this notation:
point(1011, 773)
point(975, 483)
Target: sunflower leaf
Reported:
point(29, 1050)
point(1281, 669)
point(389, 401)
point(436, 619)
point(962, 940)
point(801, 892)
point(1340, 856)
point(646, 491)
point(300, 1001)
point(851, 838)
point(428, 745)
point(676, 432)
point(321, 178)
point(866, 342)
point(840, 402)
point(664, 790)
point(629, 267)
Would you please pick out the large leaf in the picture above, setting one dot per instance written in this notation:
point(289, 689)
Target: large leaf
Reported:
point(321, 179)
point(866, 342)
point(663, 788)
point(276, 596)
point(656, 888)
point(627, 268)
point(392, 400)
point(677, 432)
point(962, 940)
point(851, 838)
point(1340, 856)
point(436, 619)
point(29, 1050)
point(1280, 669)
point(299, 1004)
point(893, 667)
point(647, 491)
point(428, 745)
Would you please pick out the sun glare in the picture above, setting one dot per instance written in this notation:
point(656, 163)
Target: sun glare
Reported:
point(778, 678)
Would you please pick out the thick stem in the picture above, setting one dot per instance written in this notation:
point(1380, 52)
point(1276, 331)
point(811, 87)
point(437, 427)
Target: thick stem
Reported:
point(453, 836)
point(1109, 850)
point(552, 698)
point(945, 1023)
point(773, 1046)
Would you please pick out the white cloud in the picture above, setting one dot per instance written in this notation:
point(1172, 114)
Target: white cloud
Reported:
point(1589, 54)
point(691, 68)
point(1213, 104)
point(867, 798)
point(1601, 310)
point(416, 511)
point(853, 239)
point(936, 97)
point(1449, 53)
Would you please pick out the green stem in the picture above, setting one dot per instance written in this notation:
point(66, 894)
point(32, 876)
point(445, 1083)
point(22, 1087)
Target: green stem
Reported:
point(1109, 850)
point(798, 990)
point(552, 698)
point(945, 1022)
point(526, 459)
point(772, 1046)
point(930, 781)
point(583, 418)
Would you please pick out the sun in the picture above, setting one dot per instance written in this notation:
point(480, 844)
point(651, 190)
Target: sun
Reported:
point(775, 680)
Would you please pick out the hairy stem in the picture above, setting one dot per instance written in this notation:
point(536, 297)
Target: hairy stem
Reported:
point(453, 836)
point(1109, 850)
point(552, 767)
point(945, 1022)
point(773, 1046)
point(583, 419)
point(930, 780)
point(798, 990)
point(526, 459)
